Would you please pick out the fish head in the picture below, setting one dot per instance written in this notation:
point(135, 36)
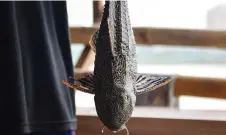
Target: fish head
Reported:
point(115, 111)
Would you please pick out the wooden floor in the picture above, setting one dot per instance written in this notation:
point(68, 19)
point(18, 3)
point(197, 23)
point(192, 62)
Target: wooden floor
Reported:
point(158, 121)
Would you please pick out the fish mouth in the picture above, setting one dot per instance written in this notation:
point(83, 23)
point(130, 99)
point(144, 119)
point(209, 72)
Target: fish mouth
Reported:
point(127, 131)
point(113, 130)
point(117, 130)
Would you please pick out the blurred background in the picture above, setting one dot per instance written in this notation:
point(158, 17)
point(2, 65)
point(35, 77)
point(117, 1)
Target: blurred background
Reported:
point(184, 60)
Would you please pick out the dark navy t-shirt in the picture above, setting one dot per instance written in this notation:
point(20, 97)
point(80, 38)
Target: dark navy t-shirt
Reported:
point(35, 57)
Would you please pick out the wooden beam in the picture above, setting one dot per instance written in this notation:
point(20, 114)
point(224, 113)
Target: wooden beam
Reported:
point(150, 36)
point(202, 87)
point(97, 11)
point(154, 121)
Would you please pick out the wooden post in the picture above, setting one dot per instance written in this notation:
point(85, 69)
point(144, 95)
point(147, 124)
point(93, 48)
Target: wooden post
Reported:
point(97, 11)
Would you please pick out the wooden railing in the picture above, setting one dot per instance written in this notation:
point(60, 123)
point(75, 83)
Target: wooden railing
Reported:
point(185, 85)
point(151, 36)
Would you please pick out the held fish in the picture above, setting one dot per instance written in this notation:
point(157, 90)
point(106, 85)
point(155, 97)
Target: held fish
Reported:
point(115, 81)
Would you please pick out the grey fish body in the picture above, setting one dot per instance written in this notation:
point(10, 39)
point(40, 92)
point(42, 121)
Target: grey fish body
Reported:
point(115, 67)
point(115, 81)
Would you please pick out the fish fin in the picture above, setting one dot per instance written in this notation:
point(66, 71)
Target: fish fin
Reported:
point(92, 41)
point(85, 84)
point(149, 82)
